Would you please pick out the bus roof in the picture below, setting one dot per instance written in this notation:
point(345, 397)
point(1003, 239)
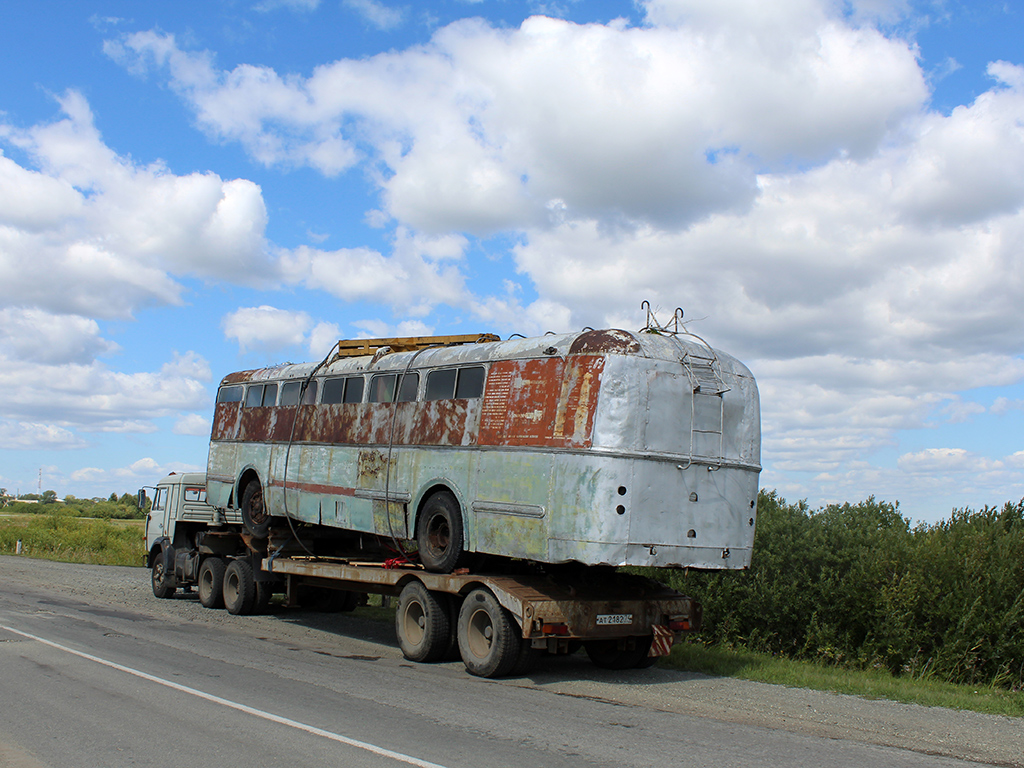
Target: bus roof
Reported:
point(588, 342)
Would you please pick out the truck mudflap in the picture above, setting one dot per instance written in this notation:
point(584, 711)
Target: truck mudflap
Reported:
point(580, 606)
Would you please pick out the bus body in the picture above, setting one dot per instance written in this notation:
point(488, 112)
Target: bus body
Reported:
point(604, 447)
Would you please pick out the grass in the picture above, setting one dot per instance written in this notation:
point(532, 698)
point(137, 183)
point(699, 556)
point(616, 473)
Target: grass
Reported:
point(872, 684)
point(68, 539)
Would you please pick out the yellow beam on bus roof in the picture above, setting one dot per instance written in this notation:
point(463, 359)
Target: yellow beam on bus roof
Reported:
point(359, 347)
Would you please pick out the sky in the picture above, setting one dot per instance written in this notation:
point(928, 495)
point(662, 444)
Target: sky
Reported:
point(833, 192)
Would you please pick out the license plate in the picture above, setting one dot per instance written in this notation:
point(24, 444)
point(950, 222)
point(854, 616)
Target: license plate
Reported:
point(615, 618)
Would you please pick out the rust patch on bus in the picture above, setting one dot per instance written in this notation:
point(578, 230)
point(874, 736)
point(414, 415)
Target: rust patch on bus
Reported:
point(548, 402)
point(607, 342)
point(372, 467)
point(225, 421)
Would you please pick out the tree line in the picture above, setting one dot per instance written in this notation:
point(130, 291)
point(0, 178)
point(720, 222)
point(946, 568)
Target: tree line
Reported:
point(123, 507)
point(857, 585)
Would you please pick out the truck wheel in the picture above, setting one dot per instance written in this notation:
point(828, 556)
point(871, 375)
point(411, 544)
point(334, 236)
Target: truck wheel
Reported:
point(211, 582)
point(607, 654)
point(239, 588)
point(488, 638)
point(439, 533)
point(161, 587)
point(422, 623)
point(526, 658)
point(254, 512)
point(264, 591)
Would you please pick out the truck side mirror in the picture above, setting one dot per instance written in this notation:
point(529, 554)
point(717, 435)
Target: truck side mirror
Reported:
point(142, 498)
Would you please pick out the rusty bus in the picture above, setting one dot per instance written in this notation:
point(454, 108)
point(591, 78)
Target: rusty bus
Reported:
point(508, 476)
point(603, 447)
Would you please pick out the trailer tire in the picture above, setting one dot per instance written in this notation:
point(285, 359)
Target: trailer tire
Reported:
point(264, 591)
point(422, 623)
point(606, 654)
point(239, 588)
point(440, 533)
point(488, 638)
point(526, 659)
point(159, 576)
point(254, 510)
point(211, 582)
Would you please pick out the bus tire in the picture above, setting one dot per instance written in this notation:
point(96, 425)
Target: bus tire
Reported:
point(439, 533)
point(254, 511)
point(161, 583)
point(239, 588)
point(422, 623)
point(607, 654)
point(211, 582)
point(488, 638)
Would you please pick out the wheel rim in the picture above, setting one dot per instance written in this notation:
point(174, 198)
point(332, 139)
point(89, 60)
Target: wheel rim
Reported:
point(480, 633)
point(414, 622)
point(257, 513)
point(231, 588)
point(439, 534)
point(158, 573)
point(205, 582)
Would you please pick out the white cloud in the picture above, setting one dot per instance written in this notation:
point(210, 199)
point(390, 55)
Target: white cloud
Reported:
point(92, 234)
point(377, 14)
point(146, 470)
point(322, 339)
point(936, 460)
point(480, 129)
point(30, 435)
point(37, 336)
point(192, 424)
point(266, 328)
point(51, 403)
point(264, 6)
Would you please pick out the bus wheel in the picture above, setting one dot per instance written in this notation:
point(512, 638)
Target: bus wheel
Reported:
point(607, 654)
point(421, 623)
point(254, 512)
point(211, 582)
point(239, 588)
point(488, 638)
point(161, 585)
point(439, 533)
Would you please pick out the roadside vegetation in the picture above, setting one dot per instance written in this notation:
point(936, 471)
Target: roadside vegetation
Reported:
point(58, 534)
point(849, 588)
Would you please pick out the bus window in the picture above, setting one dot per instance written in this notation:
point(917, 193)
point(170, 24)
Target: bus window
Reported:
point(231, 394)
point(254, 396)
point(382, 387)
point(347, 390)
point(353, 389)
point(290, 393)
point(309, 397)
point(270, 394)
point(462, 383)
point(440, 384)
point(471, 382)
point(410, 385)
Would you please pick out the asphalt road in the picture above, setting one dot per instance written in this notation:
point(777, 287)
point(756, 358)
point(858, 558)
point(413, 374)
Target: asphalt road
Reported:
point(95, 671)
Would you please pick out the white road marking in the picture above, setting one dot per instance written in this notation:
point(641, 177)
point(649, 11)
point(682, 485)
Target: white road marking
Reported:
point(402, 758)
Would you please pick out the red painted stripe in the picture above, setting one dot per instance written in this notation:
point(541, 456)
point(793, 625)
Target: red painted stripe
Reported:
point(324, 490)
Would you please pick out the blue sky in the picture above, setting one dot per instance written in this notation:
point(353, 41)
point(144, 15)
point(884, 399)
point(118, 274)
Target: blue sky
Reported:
point(833, 192)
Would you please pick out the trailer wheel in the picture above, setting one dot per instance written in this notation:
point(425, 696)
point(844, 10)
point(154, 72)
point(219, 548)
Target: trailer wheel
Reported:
point(254, 512)
point(488, 638)
point(211, 582)
point(239, 588)
point(161, 585)
point(607, 654)
point(422, 623)
point(439, 533)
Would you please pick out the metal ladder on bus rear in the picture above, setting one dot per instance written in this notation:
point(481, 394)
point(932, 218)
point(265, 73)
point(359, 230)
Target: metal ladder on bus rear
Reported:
point(705, 381)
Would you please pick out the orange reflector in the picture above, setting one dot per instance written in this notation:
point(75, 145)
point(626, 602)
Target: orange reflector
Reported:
point(554, 629)
point(679, 625)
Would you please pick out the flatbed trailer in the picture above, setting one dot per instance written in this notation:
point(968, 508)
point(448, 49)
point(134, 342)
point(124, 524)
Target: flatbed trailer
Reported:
point(501, 623)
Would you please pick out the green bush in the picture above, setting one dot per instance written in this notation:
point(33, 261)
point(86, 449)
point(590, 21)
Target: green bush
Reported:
point(855, 585)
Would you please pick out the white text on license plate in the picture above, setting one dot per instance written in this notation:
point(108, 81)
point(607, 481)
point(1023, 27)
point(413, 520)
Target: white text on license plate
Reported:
point(614, 618)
